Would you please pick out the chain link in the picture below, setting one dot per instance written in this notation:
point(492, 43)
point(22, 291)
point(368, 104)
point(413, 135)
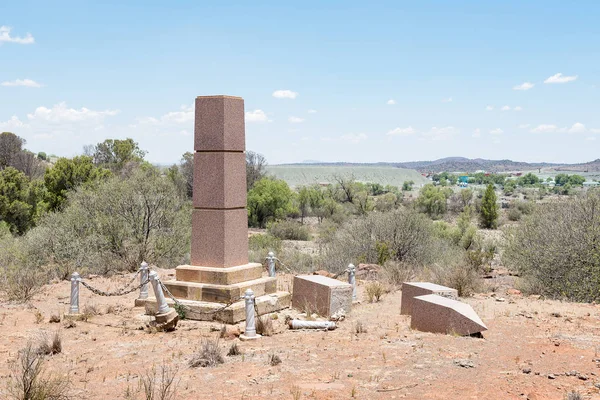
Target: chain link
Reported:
point(188, 310)
point(283, 265)
point(121, 292)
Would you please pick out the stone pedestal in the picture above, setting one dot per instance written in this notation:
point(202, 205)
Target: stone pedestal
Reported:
point(220, 272)
point(325, 296)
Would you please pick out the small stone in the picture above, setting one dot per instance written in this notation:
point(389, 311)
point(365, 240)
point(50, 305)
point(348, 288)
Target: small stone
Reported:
point(582, 377)
point(551, 376)
point(464, 363)
point(526, 370)
point(597, 385)
point(500, 299)
point(556, 314)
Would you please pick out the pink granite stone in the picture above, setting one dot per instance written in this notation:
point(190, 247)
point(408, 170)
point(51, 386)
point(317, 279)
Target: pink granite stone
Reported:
point(437, 314)
point(220, 124)
point(219, 237)
point(410, 290)
point(321, 294)
point(219, 180)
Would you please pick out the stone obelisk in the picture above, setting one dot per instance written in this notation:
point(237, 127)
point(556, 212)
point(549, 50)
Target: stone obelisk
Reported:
point(220, 272)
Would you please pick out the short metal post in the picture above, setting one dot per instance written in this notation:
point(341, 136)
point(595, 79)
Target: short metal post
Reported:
point(250, 331)
point(143, 281)
point(75, 279)
point(158, 293)
point(271, 264)
point(352, 279)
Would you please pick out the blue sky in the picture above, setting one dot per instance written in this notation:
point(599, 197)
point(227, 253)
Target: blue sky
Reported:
point(329, 81)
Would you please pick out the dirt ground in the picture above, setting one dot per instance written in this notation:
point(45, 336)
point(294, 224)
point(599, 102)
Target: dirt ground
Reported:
point(534, 349)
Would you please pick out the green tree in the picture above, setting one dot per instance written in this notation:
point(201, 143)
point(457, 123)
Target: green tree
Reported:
point(432, 201)
point(10, 146)
point(68, 174)
point(509, 187)
point(42, 156)
point(529, 179)
point(19, 200)
point(303, 202)
point(269, 199)
point(114, 154)
point(407, 186)
point(489, 209)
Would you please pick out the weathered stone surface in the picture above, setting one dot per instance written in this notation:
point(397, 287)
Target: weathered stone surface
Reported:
point(221, 180)
point(220, 293)
point(220, 124)
point(433, 313)
point(219, 276)
point(205, 311)
point(219, 237)
point(410, 290)
point(321, 294)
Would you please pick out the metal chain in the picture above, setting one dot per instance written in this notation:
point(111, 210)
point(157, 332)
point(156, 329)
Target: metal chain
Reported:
point(189, 310)
point(120, 292)
point(133, 279)
point(283, 265)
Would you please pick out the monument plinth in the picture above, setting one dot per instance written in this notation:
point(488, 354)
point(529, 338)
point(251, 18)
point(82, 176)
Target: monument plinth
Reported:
point(220, 272)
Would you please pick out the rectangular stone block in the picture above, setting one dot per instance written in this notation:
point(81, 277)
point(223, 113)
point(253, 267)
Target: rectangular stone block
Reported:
point(219, 238)
point(219, 276)
point(410, 290)
point(322, 295)
point(219, 124)
point(219, 180)
point(437, 314)
point(220, 293)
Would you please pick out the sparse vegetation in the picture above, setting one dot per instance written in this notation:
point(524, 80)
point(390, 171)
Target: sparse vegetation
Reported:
point(264, 325)
point(374, 291)
point(209, 355)
point(161, 384)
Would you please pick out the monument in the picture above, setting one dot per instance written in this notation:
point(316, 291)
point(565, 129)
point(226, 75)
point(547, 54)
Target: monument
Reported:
point(220, 273)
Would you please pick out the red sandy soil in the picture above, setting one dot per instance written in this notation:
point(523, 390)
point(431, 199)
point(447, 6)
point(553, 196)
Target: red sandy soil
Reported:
point(108, 354)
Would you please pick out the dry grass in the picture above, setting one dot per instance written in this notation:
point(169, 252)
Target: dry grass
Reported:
point(359, 327)
point(209, 355)
point(274, 359)
point(264, 326)
point(49, 346)
point(161, 384)
point(234, 350)
point(374, 291)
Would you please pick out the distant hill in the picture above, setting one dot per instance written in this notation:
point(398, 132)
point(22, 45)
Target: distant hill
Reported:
point(469, 165)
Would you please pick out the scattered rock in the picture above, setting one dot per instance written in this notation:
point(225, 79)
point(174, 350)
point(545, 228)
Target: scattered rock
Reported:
point(324, 273)
point(514, 292)
point(339, 315)
point(571, 373)
point(556, 314)
point(464, 363)
point(500, 299)
point(582, 377)
point(551, 376)
point(526, 370)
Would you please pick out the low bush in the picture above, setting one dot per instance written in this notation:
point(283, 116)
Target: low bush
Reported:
point(161, 384)
point(289, 230)
point(210, 354)
point(514, 214)
point(374, 291)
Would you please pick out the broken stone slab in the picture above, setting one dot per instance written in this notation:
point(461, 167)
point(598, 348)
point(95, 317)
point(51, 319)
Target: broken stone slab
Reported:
point(433, 313)
point(320, 294)
point(410, 290)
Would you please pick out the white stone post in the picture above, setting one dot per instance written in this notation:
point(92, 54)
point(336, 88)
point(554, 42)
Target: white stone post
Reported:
point(352, 279)
point(271, 264)
point(143, 278)
point(161, 302)
point(250, 331)
point(75, 279)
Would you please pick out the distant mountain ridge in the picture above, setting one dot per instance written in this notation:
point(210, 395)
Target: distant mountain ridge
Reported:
point(463, 164)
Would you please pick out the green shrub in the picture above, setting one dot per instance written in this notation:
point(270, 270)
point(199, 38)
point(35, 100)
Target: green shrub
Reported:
point(260, 245)
point(514, 214)
point(289, 230)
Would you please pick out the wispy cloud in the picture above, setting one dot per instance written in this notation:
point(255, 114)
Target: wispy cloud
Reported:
point(285, 94)
point(443, 133)
point(476, 133)
point(560, 78)
point(256, 116)
point(354, 137)
point(524, 86)
point(489, 108)
point(391, 102)
point(496, 131)
point(5, 37)
point(14, 123)
point(402, 131)
point(448, 100)
point(518, 108)
point(544, 128)
point(22, 82)
point(311, 111)
point(60, 113)
point(505, 108)
point(524, 126)
point(577, 127)
point(295, 120)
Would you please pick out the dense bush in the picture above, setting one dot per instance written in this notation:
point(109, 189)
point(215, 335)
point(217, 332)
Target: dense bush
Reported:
point(268, 200)
point(488, 215)
point(289, 230)
point(556, 248)
point(432, 200)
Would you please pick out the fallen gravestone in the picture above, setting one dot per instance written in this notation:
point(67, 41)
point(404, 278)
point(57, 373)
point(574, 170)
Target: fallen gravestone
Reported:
point(433, 313)
point(410, 290)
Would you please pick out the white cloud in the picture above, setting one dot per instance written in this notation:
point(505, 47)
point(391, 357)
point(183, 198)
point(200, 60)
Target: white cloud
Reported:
point(496, 131)
point(524, 86)
point(5, 37)
point(256, 116)
point(59, 113)
point(595, 130)
point(590, 138)
point(577, 127)
point(43, 136)
point(476, 133)
point(391, 102)
point(285, 94)
point(402, 131)
point(311, 111)
point(448, 100)
point(524, 126)
point(518, 108)
point(22, 82)
point(295, 120)
point(560, 78)
point(544, 128)
point(440, 133)
point(326, 139)
point(354, 137)
point(505, 108)
point(14, 123)
point(489, 108)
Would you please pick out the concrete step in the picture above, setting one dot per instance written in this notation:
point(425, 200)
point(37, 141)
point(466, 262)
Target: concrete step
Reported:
point(220, 293)
point(218, 276)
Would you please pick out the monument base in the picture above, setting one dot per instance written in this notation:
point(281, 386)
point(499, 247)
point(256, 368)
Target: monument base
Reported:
point(236, 312)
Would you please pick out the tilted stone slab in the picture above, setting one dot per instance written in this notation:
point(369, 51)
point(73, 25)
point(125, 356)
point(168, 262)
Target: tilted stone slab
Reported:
point(321, 294)
point(410, 290)
point(433, 313)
